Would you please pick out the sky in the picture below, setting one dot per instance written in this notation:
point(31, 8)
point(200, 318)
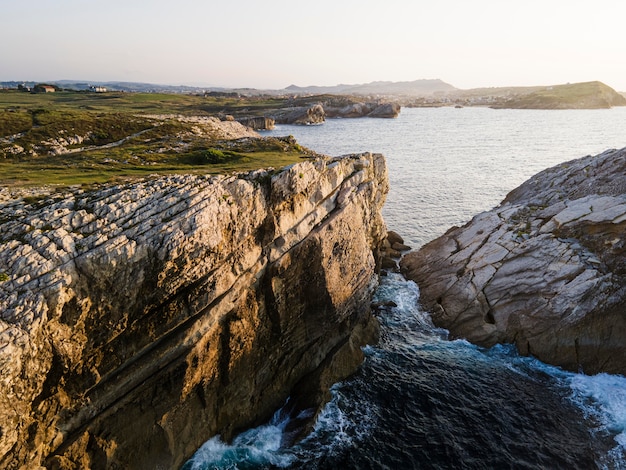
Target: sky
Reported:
point(272, 44)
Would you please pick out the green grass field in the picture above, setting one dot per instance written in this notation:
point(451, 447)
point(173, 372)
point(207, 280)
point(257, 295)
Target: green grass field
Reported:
point(144, 103)
point(119, 140)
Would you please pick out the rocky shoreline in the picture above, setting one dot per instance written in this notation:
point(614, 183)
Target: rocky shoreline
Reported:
point(545, 270)
point(139, 320)
point(314, 114)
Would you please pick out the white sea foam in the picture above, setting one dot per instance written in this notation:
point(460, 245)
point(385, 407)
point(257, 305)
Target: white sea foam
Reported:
point(603, 397)
point(338, 429)
point(260, 445)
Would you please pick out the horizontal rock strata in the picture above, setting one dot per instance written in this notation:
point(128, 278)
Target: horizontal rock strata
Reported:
point(369, 109)
point(139, 320)
point(545, 270)
point(300, 115)
point(257, 122)
point(317, 113)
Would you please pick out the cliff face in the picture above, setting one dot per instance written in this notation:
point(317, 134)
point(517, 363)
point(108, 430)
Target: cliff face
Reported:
point(139, 320)
point(546, 270)
point(334, 108)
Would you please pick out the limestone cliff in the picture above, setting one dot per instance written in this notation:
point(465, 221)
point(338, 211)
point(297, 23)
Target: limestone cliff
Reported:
point(257, 122)
point(139, 320)
point(333, 107)
point(545, 270)
point(366, 109)
point(302, 115)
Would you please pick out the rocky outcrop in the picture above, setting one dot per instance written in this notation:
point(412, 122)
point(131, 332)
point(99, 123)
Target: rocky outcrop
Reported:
point(333, 108)
point(545, 270)
point(367, 109)
point(392, 248)
point(66, 141)
point(302, 115)
point(139, 320)
point(257, 122)
point(386, 110)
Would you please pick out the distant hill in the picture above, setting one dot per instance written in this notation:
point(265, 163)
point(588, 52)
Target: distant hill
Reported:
point(586, 95)
point(415, 88)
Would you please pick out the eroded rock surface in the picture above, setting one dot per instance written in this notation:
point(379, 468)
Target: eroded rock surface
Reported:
point(257, 122)
point(366, 109)
point(139, 320)
point(301, 115)
point(545, 270)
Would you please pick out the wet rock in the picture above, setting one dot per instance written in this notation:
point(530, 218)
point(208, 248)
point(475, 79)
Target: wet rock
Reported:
point(389, 264)
point(394, 237)
point(385, 304)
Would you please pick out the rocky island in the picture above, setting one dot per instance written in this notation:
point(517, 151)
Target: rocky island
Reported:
point(545, 270)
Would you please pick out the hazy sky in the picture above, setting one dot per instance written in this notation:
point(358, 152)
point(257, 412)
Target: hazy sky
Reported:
point(274, 43)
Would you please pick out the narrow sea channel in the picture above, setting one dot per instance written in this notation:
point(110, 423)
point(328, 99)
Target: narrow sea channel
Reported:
point(421, 400)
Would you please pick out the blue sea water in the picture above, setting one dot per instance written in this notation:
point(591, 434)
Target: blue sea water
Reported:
point(421, 400)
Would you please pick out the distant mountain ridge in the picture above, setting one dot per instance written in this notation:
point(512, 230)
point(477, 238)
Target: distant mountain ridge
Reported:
point(420, 87)
point(413, 88)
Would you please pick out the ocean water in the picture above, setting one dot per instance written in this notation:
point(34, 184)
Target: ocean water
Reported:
point(421, 400)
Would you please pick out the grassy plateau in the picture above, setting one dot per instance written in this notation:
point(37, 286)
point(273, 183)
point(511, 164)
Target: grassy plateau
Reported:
point(69, 138)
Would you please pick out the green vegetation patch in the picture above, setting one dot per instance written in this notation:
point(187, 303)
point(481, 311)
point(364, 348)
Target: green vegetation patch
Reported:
point(144, 156)
point(74, 127)
point(208, 156)
point(144, 103)
point(70, 138)
point(14, 121)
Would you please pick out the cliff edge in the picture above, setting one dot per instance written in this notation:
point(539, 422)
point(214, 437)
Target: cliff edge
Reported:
point(545, 270)
point(139, 320)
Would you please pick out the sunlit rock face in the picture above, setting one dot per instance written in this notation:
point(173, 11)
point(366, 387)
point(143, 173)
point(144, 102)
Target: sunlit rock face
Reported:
point(546, 270)
point(140, 320)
